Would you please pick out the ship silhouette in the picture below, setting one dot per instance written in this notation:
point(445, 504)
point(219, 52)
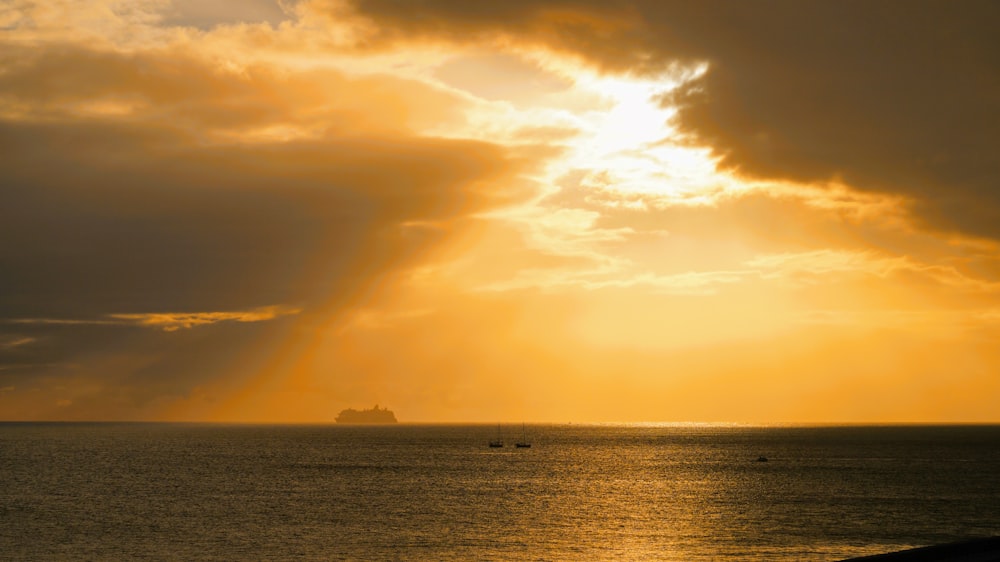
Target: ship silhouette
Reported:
point(373, 415)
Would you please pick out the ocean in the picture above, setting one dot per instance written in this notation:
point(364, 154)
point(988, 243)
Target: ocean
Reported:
point(120, 491)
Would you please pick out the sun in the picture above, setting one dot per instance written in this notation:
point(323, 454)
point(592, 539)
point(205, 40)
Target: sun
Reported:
point(629, 145)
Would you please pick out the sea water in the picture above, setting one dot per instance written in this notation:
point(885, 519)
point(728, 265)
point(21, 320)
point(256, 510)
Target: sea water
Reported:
point(438, 492)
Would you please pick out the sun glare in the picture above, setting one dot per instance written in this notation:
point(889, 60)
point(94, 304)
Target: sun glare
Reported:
point(629, 146)
point(624, 144)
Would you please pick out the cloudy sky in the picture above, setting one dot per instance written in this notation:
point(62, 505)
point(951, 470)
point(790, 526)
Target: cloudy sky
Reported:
point(555, 210)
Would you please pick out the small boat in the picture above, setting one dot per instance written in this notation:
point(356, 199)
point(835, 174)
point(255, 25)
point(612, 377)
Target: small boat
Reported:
point(523, 443)
point(498, 442)
point(762, 458)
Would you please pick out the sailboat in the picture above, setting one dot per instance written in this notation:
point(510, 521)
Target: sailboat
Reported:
point(523, 443)
point(498, 442)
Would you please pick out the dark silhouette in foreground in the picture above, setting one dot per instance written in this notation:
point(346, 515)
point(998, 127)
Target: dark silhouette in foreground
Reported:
point(975, 550)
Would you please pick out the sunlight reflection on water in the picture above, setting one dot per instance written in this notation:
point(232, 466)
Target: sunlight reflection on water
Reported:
point(108, 491)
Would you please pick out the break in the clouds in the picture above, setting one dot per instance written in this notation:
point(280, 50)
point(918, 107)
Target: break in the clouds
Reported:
point(888, 96)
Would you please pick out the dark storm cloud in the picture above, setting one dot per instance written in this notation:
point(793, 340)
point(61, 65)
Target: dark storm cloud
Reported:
point(122, 372)
point(894, 96)
point(890, 96)
point(98, 221)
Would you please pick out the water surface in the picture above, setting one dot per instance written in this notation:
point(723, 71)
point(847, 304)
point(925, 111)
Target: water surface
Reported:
point(437, 492)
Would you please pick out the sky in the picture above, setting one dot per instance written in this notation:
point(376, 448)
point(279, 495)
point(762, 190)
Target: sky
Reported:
point(549, 211)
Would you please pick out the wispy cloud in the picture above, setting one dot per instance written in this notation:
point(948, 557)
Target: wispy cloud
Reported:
point(687, 283)
point(798, 269)
point(62, 321)
point(816, 267)
point(15, 341)
point(824, 262)
point(169, 322)
point(166, 321)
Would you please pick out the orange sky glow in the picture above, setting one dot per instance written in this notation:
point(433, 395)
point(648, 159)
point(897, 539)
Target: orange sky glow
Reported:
point(542, 211)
